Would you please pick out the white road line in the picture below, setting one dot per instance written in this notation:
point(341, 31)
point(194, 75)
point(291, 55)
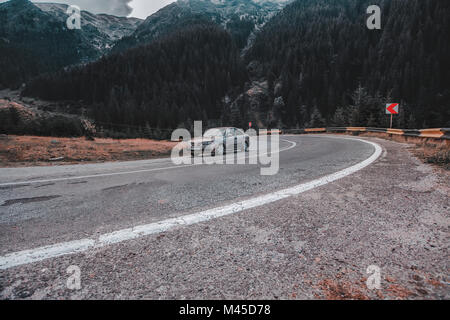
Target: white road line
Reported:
point(100, 175)
point(66, 248)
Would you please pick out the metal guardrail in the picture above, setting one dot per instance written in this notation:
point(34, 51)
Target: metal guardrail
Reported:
point(439, 133)
point(303, 131)
point(269, 132)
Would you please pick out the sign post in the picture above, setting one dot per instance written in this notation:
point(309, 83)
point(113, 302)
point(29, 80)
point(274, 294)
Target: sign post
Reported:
point(392, 108)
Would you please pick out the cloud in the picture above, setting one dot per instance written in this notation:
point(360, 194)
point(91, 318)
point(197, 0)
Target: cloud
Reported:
point(144, 8)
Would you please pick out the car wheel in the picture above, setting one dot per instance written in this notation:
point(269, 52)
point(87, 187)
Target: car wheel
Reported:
point(218, 151)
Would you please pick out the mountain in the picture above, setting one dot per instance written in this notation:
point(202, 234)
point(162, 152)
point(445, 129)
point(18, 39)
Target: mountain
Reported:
point(240, 17)
point(101, 30)
point(322, 65)
point(182, 76)
point(34, 39)
point(313, 64)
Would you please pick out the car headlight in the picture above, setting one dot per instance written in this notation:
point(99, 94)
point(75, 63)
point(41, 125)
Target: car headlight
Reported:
point(207, 143)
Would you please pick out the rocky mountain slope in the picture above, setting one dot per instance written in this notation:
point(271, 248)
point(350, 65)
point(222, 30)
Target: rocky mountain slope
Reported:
point(34, 39)
point(239, 17)
point(102, 30)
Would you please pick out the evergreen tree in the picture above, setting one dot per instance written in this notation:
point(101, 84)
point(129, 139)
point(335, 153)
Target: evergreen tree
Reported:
point(340, 118)
point(317, 121)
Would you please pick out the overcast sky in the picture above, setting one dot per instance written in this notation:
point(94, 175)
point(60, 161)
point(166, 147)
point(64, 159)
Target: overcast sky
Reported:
point(135, 8)
point(144, 8)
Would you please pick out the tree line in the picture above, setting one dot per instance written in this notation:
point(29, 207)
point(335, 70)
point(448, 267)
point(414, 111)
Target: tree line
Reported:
point(169, 83)
point(323, 67)
point(326, 62)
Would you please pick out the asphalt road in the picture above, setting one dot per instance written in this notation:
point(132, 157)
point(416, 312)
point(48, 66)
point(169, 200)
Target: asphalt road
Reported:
point(114, 196)
point(297, 247)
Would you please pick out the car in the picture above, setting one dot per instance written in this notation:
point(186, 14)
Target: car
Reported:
point(215, 141)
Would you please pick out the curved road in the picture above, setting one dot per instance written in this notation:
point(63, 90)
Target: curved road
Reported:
point(46, 205)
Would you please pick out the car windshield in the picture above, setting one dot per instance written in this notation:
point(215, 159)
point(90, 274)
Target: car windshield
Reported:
point(214, 133)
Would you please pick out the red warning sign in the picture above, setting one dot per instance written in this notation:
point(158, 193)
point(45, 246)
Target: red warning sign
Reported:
point(392, 108)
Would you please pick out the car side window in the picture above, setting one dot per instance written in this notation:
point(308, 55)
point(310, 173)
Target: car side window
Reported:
point(230, 132)
point(239, 132)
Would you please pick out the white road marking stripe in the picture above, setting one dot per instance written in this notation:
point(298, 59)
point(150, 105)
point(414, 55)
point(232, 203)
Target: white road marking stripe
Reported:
point(99, 175)
point(77, 246)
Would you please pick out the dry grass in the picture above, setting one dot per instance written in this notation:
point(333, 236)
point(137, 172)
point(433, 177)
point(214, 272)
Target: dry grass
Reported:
point(433, 151)
point(341, 290)
point(30, 150)
point(435, 154)
point(346, 289)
